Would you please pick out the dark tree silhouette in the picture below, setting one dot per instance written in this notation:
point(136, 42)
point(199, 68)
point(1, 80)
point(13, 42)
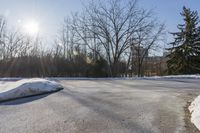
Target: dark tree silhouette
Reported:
point(184, 57)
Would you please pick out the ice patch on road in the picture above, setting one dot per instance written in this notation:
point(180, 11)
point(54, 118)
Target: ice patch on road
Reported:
point(27, 87)
point(195, 112)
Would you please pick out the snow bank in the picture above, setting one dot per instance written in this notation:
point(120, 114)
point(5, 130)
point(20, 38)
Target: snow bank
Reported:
point(11, 79)
point(176, 77)
point(195, 112)
point(27, 87)
point(197, 76)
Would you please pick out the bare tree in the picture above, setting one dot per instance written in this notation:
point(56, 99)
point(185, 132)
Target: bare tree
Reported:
point(145, 40)
point(2, 36)
point(13, 44)
point(112, 24)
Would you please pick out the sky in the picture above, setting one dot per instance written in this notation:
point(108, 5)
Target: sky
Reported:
point(49, 14)
point(168, 11)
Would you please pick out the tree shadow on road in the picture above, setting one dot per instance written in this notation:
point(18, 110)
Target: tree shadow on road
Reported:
point(102, 107)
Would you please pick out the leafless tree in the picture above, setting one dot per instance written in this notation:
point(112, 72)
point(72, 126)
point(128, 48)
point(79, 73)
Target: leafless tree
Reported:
point(2, 36)
point(112, 24)
point(108, 38)
point(13, 44)
point(145, 40)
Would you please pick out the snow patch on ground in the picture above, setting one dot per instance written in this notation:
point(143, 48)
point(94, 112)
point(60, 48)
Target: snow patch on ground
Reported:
point(194, 109)
point(177, 77)
point(197, 76)
point(27, 87)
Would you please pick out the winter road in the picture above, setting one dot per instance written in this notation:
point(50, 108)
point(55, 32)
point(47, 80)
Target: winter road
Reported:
point(103, 106)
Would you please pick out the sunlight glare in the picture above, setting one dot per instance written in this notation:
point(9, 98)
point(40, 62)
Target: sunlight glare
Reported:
point(31, 27)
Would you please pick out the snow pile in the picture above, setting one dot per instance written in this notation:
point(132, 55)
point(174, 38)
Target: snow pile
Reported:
point(177, 77)
point(195, 112)
point(170, 77)
point(27, 87)
point(10, 79)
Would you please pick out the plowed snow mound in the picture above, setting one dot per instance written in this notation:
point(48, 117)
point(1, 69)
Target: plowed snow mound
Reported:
point(27, 87)
point(195, 112)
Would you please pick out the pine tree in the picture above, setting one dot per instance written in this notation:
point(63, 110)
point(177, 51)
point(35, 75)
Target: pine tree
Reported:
point(184, 57)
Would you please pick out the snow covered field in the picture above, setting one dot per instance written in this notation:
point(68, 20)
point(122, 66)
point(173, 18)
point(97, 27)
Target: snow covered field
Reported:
point(26, 87)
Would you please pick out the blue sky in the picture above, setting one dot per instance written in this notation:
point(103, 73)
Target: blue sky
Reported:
point(50, 13)
point(168, 11)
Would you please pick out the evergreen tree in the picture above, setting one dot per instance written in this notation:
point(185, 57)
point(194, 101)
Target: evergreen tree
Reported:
point(184, 57)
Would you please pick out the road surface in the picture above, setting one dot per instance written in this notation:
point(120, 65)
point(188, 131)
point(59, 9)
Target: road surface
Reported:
point(104, 106)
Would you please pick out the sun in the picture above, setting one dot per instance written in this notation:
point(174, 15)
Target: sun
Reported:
point(31, 27)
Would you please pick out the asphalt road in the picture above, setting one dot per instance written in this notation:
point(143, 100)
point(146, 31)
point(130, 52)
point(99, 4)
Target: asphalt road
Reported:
point(98, 106)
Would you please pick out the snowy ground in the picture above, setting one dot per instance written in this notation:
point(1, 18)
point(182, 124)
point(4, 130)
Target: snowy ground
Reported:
point(197, 76)
point(26, 87)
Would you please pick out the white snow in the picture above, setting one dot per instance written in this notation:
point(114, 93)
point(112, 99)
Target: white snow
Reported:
point(195, 112)
point(197, 76)
point(177, 77)
point(27, 87)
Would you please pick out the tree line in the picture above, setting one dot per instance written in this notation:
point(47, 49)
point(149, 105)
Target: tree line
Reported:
point(106, 39)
